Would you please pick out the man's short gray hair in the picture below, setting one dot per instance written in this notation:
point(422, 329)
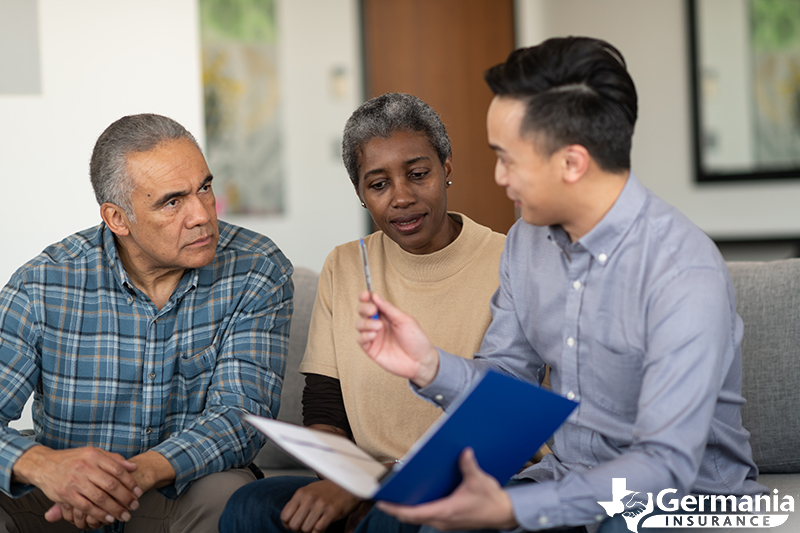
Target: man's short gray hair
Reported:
point(385, 115)
point(108, 168)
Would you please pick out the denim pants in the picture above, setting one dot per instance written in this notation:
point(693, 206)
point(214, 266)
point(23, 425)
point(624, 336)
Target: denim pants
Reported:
point(256, 508)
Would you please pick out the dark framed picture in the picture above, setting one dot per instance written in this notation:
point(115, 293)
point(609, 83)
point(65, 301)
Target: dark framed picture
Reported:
point(745, 59)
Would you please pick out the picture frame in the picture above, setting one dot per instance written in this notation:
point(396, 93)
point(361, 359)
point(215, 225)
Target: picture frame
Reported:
point(745, 89)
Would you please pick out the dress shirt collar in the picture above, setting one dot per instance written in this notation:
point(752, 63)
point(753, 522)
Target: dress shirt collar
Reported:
point(604, 239)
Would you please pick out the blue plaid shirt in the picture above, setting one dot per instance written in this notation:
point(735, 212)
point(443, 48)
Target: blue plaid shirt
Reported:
point(110, 370)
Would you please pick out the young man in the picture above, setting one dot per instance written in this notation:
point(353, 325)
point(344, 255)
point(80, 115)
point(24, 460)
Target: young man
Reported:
point(624, 298)
point(143, 340)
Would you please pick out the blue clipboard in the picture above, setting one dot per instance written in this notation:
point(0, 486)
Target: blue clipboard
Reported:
point(503, 419)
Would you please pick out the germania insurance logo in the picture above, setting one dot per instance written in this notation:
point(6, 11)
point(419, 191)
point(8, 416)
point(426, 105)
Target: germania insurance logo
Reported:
point(696, 511)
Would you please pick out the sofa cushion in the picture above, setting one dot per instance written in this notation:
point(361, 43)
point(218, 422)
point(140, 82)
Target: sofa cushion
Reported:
point(305, 291)
point(768, 300)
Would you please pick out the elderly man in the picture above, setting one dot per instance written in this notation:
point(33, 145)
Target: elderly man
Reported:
point(143, 340)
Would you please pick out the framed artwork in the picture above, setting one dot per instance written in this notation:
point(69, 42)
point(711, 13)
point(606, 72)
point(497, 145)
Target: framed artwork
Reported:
point(241, 97)
point(745, 59)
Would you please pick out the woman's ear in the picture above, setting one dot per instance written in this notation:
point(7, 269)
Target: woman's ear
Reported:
point(448, 171)
point(448, 168)
point(360, 196)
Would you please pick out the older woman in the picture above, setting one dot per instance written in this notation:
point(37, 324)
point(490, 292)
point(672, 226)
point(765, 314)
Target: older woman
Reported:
point(438, 264)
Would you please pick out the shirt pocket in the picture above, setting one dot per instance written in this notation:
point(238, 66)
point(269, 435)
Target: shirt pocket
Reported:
point(195, 364)
point(615, 374)
point(194, 376)
point(616, 382)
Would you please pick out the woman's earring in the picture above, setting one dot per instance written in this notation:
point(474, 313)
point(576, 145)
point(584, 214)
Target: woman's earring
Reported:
point(363, 205)
point(448, 183)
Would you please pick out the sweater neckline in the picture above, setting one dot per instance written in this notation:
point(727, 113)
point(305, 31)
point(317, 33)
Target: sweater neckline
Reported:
point(439, 265)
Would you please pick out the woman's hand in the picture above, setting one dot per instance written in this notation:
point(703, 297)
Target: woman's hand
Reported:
point(316, 506)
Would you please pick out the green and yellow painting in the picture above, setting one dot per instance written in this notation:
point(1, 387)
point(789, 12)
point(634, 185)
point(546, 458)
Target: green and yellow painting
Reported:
point(241, 97)
point(775, 45)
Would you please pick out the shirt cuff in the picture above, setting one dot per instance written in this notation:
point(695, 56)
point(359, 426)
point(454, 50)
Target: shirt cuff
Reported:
point(10, 451)
point(449, 383)
point(184, 464)
point(536, 506)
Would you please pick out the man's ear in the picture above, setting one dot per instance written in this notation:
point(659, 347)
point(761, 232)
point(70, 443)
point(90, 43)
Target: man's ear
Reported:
point(448, 168)
point(575, 160)
point(115, 218)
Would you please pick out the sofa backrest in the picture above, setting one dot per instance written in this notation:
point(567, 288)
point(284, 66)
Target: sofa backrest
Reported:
point(768, 300)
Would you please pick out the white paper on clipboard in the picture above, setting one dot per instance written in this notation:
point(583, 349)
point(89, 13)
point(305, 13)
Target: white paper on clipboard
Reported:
point(331, 456)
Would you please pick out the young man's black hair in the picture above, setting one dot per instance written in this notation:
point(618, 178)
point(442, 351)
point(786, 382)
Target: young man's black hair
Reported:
point(577, 90)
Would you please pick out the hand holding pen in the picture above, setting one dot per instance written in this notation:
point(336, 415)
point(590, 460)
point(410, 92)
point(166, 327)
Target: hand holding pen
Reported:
point(396, 342)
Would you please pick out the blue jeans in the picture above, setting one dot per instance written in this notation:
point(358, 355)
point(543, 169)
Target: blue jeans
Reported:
point(256, 508)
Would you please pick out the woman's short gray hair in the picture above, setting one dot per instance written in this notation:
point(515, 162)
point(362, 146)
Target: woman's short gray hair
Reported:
point(384, 115)
point(108, 168)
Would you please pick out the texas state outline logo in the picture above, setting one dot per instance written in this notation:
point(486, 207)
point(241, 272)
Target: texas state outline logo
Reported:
point(696, 511)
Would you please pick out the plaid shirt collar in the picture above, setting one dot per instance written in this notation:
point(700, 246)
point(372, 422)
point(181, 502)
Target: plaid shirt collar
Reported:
point(188, 280)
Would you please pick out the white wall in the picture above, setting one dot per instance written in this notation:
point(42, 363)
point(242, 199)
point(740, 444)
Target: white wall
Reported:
point(653, 37)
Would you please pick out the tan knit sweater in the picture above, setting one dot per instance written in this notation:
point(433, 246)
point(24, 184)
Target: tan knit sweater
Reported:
point(447, 291)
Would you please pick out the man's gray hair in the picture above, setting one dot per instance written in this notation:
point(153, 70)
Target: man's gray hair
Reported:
point(108, 168)
point(385, 115)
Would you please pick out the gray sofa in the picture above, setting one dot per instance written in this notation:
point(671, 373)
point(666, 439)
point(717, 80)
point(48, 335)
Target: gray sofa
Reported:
point(768, 300)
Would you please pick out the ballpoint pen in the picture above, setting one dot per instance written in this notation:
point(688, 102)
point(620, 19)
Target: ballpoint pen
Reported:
point(365, 264)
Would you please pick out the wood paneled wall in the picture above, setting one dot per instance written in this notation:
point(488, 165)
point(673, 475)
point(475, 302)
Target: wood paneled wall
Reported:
point(438, 50)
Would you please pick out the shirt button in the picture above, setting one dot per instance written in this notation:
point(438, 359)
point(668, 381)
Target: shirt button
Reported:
point(130, 300)
point(148, 430)
point(155, 321)
point(543, 520)
point(599, 518)
point(151, 375)
point(438, 397)
point(570, 342)
point(570, 395)
point(576, 285)
point(602, 258)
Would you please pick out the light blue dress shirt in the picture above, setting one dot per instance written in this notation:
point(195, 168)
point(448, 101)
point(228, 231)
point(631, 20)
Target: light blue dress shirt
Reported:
point(637, 320)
